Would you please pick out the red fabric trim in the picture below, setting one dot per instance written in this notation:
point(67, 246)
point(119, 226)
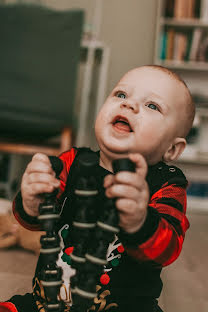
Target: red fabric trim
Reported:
point(172, 251)
point(166, 243)
point(67, 158)
point(163, 208)
point(163, 247)
point(171, 191)
point(152, 248)
point(179, 194)
point(184, 223)
point(7, 307)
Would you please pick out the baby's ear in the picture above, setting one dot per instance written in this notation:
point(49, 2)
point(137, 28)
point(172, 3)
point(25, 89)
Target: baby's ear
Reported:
point(175, 149)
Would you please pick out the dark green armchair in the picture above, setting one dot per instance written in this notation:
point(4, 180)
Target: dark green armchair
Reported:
point(39, 58)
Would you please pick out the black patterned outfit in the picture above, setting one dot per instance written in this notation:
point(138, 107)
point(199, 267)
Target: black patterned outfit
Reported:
point(131, 280)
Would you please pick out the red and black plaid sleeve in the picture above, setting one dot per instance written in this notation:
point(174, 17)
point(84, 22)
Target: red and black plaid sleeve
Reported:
point(32, 223)
point(161, 237)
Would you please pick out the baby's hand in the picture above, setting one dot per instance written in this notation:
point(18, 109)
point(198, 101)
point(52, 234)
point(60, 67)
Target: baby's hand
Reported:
point(38, 178)
point(132, 193)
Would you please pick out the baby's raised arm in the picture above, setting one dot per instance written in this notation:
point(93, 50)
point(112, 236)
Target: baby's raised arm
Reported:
point(37, 179)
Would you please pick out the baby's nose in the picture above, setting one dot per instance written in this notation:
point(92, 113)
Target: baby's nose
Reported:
point(130, 104)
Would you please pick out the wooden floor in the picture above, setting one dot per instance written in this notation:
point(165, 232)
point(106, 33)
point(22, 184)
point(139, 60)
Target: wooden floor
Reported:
point(185, 281)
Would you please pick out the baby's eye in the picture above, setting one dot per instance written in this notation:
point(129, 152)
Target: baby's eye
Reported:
point(121, 95)
point(152, 106)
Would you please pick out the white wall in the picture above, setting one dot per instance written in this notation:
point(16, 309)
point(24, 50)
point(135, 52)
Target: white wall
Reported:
point(128, 27)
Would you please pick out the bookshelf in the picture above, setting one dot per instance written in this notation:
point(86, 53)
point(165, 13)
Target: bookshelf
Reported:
point(181, 44)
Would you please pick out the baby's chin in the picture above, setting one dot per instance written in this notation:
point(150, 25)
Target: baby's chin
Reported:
point(115, 150)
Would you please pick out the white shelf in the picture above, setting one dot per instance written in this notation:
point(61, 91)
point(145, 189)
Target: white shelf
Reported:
point(194, 159)
point(184, 22)
point(199, 204)
point(189, 65)
point(202, 111)
point(93, 44)
point(192, 155)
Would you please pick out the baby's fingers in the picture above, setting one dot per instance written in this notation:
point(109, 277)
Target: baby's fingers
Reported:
point(108, 180)
point(122, 191)
point(40, 163)
point(141, 164)
point(37, 177)
point(129, 178)
point(126, 206)
point(40, 188)
point(41, 157)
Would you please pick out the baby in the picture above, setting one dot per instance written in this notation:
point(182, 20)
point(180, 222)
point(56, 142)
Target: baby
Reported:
point(146, 118)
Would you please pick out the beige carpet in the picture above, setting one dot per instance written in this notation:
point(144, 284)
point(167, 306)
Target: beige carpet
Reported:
point(16, 270)
point(185, 281)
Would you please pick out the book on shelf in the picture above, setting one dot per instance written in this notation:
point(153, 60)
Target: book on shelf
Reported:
point(175, 46)
point(188, 45)
point(203, 50)
point(184, 9)
point(204, 10)
point(184, 45)
point(196, 40)
point(163, 44)
point(191, 5)
point(180, 9)
point(180, 47)
point(170, 44)
point(169, 8)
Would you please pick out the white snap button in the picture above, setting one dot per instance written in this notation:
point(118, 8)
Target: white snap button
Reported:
point(171, 169)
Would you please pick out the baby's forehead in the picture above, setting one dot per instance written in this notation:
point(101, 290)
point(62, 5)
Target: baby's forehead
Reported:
point(152, 80)
point(148, 71)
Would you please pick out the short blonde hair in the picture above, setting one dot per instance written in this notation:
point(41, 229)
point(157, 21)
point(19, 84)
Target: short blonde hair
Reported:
point(190, 106)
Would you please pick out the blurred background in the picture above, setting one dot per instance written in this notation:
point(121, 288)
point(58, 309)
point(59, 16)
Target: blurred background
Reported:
point(59, 59)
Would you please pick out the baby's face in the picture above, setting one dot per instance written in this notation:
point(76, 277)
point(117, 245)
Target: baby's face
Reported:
point(142, 114)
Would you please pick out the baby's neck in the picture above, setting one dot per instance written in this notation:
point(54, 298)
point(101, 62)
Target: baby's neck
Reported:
point(105, 162)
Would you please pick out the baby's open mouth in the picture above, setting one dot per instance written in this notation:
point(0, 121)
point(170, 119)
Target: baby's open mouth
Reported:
point(121, 123)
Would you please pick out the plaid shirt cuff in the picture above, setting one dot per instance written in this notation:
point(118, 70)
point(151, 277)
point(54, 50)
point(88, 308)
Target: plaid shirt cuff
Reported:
point(144, 233)
point(27, 221)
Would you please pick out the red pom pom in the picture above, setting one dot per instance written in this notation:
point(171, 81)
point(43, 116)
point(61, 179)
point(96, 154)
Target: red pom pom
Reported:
point(7, 307)
point(69, 250)
point(120, 249)
point(104, 279)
